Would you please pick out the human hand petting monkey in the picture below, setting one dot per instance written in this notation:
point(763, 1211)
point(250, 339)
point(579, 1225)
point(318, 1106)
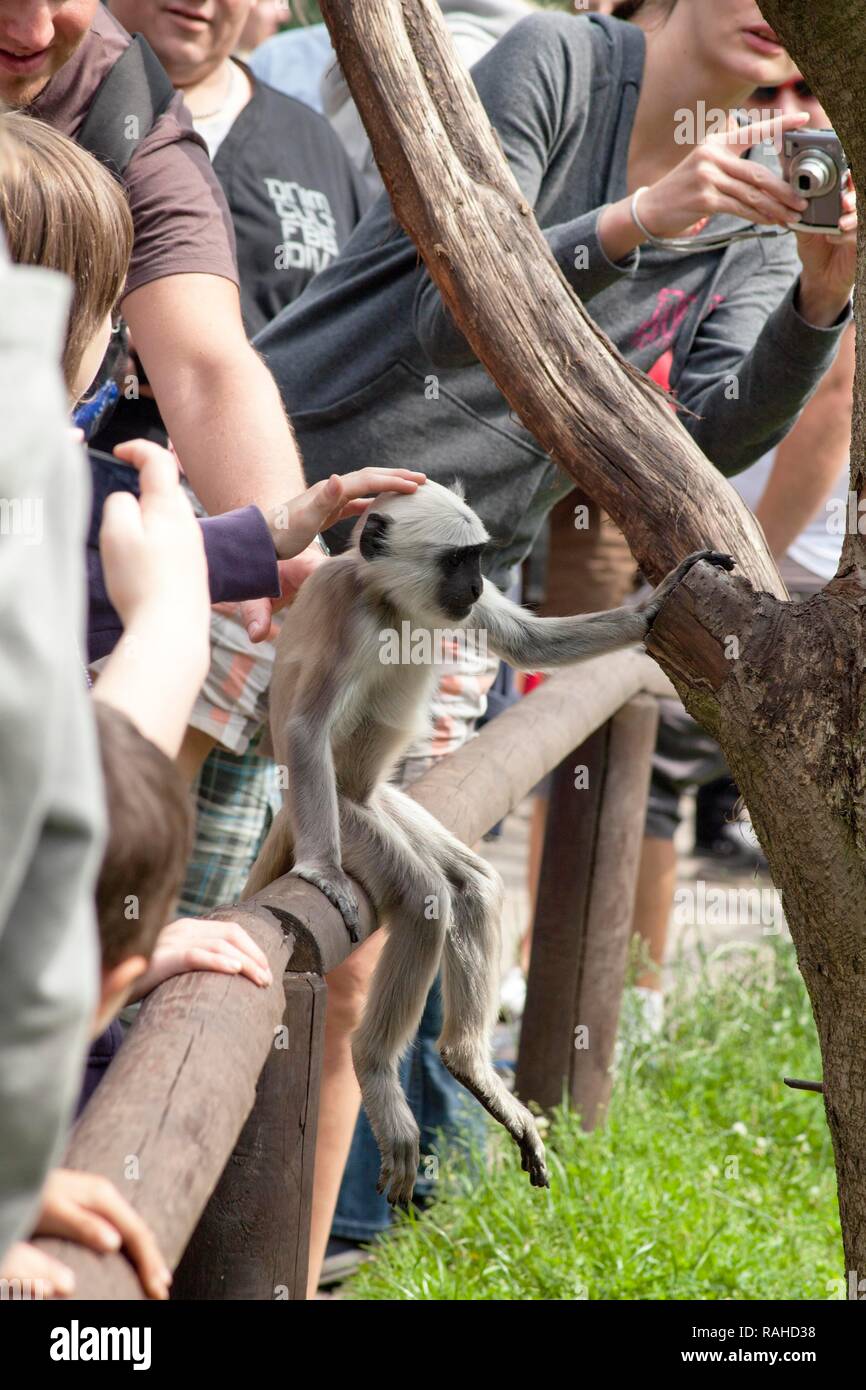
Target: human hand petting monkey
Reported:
point(294, 526)
point(142, 583)
point(296, 523)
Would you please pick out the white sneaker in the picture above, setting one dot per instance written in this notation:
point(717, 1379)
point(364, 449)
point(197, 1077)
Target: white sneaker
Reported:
point(512, 993)
point(643, 1013)
point(641, 1020)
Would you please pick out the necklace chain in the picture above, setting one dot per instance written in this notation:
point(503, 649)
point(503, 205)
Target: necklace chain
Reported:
point(208, 115)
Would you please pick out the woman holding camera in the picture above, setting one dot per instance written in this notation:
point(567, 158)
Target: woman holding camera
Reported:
point(612, 131)
point(619, 134)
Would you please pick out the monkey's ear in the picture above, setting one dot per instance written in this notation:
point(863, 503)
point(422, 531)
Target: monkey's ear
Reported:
point(374, 537)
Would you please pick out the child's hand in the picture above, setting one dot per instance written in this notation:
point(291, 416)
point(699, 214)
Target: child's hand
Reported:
point(153, 553)
point(38, 1275)
point(199, 944)
point(294, 526)
point(87, 1208)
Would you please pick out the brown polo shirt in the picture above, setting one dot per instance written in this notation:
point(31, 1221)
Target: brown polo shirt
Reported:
point(182, 222)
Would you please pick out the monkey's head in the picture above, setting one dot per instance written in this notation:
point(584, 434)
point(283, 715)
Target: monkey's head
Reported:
point(422, 551)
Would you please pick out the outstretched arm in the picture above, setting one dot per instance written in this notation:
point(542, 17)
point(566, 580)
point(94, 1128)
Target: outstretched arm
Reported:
point(532, 643)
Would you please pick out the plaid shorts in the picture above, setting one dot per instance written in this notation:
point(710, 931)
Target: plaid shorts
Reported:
point(236, 798)
point(232, 705)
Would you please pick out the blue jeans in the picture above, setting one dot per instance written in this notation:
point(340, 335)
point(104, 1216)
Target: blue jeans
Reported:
point(440, 1105)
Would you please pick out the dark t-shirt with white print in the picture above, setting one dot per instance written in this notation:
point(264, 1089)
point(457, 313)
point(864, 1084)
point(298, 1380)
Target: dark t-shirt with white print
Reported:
point(294, 197)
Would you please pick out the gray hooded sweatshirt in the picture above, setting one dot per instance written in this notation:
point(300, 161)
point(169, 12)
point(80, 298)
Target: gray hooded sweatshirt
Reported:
point(372, 369)
point(51, 800)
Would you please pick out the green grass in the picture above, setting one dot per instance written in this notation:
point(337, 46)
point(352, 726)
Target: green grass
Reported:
point(711, 1179)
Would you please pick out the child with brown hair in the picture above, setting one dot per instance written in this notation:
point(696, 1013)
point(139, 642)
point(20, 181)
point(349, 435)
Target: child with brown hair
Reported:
point(61, 210)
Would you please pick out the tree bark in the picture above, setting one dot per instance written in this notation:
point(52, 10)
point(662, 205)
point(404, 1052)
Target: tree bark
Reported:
point(780, 685)
point(827, 40)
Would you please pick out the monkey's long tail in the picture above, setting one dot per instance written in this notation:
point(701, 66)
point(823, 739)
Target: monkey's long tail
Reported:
point(275, 856)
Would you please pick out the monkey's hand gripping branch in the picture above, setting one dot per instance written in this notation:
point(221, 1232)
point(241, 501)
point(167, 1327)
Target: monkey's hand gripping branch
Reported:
point(654, 603)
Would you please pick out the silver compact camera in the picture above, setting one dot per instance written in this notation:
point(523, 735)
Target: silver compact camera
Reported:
point(816, 168)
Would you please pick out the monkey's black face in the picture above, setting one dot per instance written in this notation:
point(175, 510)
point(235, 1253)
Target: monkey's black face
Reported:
point(460, 581)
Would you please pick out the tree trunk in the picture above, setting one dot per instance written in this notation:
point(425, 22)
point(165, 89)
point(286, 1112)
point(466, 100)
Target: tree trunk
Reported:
point(827, 40)
point(808, 691)
point(785, 699)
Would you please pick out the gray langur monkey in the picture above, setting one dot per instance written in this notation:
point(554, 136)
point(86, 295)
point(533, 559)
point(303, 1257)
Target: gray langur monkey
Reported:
point(340, 718)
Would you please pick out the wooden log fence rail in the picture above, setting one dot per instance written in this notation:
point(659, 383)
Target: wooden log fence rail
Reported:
point(206, 1120)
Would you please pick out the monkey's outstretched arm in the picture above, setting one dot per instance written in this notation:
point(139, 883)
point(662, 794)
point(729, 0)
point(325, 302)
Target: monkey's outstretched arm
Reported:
point(529, 642)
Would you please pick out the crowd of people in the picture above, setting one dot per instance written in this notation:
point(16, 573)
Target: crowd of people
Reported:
point(209, 317)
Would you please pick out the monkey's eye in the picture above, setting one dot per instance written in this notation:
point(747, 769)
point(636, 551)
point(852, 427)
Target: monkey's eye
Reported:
point(454, 559)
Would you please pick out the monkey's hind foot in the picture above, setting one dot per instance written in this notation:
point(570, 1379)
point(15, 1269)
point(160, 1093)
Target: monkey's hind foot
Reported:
point(486, 1087)
point(399, 1171)
point(336, 887)
point(532, 1155)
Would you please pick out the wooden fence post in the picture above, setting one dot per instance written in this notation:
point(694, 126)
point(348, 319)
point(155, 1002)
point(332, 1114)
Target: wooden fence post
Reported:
point(583, 916)
point(252, 1241)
